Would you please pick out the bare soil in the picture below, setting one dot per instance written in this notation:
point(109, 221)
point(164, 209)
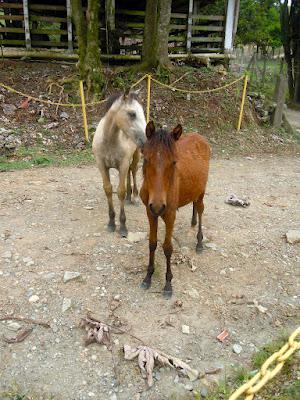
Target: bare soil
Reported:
point(54, 220)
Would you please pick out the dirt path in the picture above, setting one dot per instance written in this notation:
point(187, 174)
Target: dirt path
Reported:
point(53, 220)
point(293, 117)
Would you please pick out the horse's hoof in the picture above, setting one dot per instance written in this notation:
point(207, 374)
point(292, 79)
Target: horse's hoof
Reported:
point(199, 249)
point(123, 232)
point(111, 227)
point(167, 294)
point(128, 201)
point(145, 285)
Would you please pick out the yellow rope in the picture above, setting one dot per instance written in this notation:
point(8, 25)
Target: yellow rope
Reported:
point(139, 81)
point(250, 388)
point(197, 91)
point(9, 88)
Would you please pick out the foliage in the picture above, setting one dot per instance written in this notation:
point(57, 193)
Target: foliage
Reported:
point(259, 23)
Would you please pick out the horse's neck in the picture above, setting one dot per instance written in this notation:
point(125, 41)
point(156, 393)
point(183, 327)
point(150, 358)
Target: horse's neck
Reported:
point(110, 128)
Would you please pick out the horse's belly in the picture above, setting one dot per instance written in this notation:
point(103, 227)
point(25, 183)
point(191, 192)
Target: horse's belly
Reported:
point(191, 187)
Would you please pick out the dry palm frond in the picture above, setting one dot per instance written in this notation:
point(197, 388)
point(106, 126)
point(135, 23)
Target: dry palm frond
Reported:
point(147, 357)
point(96, 332)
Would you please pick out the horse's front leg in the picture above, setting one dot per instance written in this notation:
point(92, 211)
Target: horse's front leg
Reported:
point(153, 221)
point(169, 219)
point(121, 194)
point(111, 226)
point(134, 169)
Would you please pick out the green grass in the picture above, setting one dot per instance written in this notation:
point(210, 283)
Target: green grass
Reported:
point(32, 157)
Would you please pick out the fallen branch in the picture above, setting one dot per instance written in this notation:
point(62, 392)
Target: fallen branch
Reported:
point(147, 357)
point(20, 336)
point(27, 320)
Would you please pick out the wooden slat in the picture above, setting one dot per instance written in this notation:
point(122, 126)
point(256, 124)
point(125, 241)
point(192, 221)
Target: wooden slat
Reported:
point(11, 5)
point(179, 15)
point(15, 30)
point(208, 17)
point(135, 24)
point(13, 42)
point(172, 27)
point(49, 31)
point(206, 39)
point(209, 28)
point(47, 18)
point(173, 38)
point(207, 49)
point(45, 43)
point(11, 17)
point(130, 12)
point(47, 7)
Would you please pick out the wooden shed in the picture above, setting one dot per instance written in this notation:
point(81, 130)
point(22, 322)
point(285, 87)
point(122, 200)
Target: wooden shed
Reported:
point(44, 29)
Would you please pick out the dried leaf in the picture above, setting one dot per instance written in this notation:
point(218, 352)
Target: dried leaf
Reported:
point(25, 104)
point(97, 332)
point(147, 357)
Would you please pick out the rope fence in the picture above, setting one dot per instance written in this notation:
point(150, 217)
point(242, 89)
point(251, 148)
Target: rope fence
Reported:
point(150, 79)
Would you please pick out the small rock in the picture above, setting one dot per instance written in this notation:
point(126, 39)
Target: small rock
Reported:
point(113, 397)
point(7, 254)
point(157, 376)
point(91, 394)
point(66, 305)
point(71, 275)
point(117, 297)
point(212, 246)
point(94, 357)
point(13, 326)
point(64, 115)
point(293, 236)
point(204, 391)
point(237, 349)
point(9, 109)
point(89, 208)
point(188, 387)
point(194, 293)
point(34, 298)
point(185, 329)
point(134, 237)
point(176, 379)
point(28, 260)
point(49, 276)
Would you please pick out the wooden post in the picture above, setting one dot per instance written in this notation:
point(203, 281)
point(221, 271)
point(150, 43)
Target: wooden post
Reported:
point(189, 27)
point(85, 125)
point(70, 27)
point(277, 118)
point(229, 26)
point(26, 25)
point(242, 103)
point(148, 98)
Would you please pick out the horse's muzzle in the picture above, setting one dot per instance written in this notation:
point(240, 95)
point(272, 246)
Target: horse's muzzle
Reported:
point(157, 210)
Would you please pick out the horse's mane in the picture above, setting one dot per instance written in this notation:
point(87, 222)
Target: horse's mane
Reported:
point(111, 99)
point(162, 136)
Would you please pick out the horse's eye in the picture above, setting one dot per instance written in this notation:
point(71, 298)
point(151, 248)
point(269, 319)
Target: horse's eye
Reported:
point(174, 162)
point(132, 114)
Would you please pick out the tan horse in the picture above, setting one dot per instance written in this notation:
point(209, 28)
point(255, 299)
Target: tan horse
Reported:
point(116, 144)
point(175, 174)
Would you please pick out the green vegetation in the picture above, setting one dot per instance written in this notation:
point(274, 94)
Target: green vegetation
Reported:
point(30, 157)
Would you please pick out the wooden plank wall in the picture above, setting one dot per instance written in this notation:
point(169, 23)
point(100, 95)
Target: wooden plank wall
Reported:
point(50, 27)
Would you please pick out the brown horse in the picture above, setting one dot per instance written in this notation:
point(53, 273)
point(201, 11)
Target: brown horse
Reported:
point(175, 174)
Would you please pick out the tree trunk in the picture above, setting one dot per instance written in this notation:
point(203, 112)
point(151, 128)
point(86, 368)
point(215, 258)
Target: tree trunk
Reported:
point(92, 63)
point(149, 50)
point(163, 32)
point(295, 36)
point(156, 34)
point(80, 27)
point(87, 31)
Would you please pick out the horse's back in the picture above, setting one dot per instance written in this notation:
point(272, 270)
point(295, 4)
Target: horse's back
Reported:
point(193, 163)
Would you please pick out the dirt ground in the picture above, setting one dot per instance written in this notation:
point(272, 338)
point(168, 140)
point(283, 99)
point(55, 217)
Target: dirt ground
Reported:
point(246, 280)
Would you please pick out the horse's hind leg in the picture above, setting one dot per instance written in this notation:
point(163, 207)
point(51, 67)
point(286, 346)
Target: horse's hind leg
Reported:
point(111, 226)
point(194, 217)
point(200, 207)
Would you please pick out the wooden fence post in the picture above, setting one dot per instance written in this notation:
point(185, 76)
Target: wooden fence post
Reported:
point(26, 25)
point(189, 27)
point(280, 97)
point(69, 25)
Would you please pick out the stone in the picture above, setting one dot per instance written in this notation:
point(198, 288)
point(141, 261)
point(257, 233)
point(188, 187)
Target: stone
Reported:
point(185, 329)
point(13, 326)
point(204, 391)
point(113, 397)
point(9, 109)
point(34, 298)
point(71, 275)
point(176, 379)
point(49, 276)
point(212, 246)
point(7, 254)
point(194, 293)
point(134, 237)
point(66, 305)
point(237, 349)
point(188, 387)
point(64, 115)
point(293, 236)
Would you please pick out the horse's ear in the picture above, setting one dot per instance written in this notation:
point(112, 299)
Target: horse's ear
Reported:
point(126, 94)
point(150, 129)
point(176, 132)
